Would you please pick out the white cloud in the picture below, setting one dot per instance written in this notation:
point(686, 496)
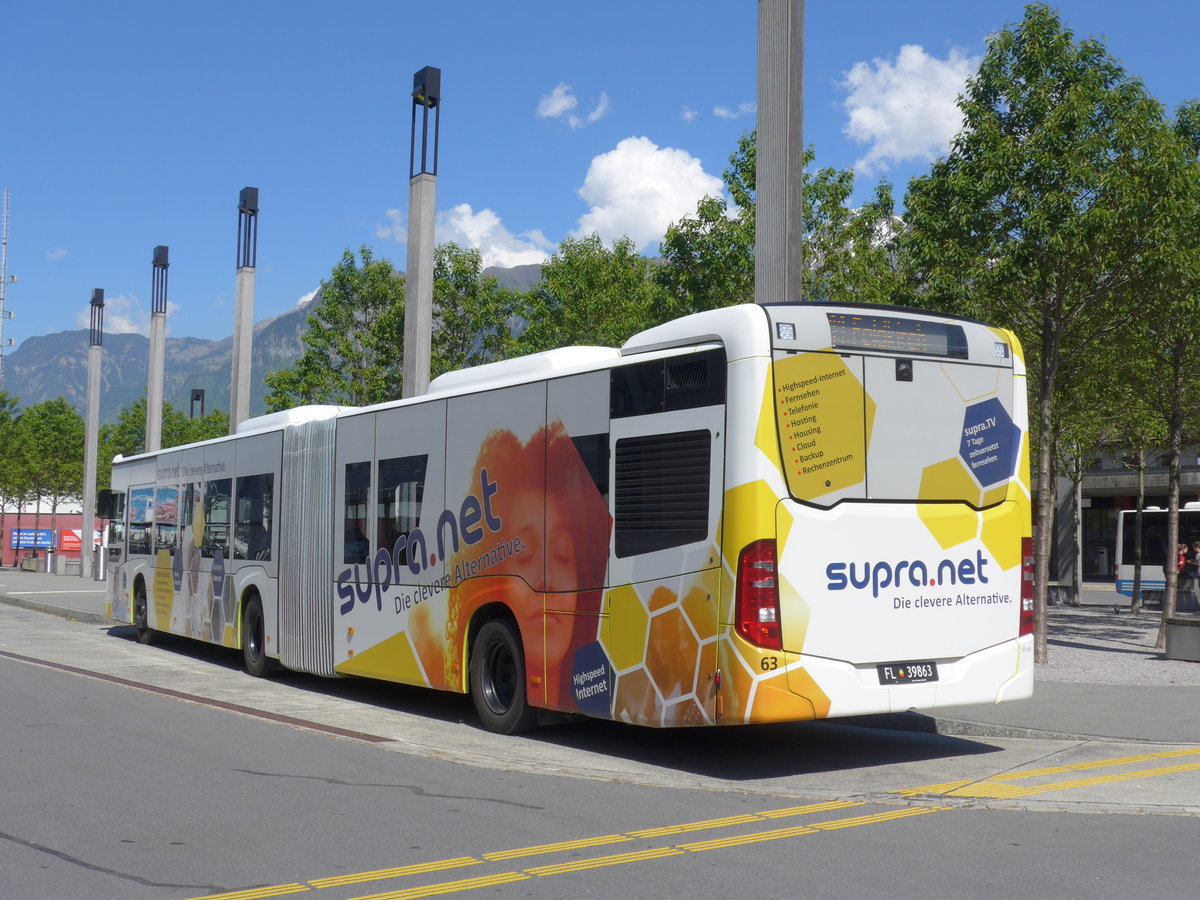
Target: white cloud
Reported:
point(56, 253)
point(560, 101)
point(306, 299)
point(600, 111)
point(123, 314)
point(639, 188)
point(395, 230)
point(481, 230)
point(688, 114)
point(496, 244)
point(905, 109)
point(744, 109)
point(557, 102)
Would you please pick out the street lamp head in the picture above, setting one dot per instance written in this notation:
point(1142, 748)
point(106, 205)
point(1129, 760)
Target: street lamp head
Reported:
point(427, 87)
point(160, 257)
point(98, 298)
point(248, 201)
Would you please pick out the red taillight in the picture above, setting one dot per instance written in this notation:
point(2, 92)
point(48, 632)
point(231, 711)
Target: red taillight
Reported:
point(1026, 586)
point(756, 617)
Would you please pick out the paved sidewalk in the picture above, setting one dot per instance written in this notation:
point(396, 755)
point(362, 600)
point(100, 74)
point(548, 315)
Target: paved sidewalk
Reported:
point(1104, 679)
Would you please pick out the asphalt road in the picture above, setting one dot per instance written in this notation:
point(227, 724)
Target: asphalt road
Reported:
point(165, 772)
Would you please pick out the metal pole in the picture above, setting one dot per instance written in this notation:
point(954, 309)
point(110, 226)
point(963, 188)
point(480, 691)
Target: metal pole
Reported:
point(779, 213)
point(243, 317)
point(422, 203)
point(87, 521)
point(158, 349)
point(5, 279)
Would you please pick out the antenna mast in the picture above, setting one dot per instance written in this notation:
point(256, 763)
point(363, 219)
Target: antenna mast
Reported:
point(4, 279)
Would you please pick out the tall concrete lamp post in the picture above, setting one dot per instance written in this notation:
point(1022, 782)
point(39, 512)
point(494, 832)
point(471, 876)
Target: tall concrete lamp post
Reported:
point(779, 214)
point(422, 198)
point(158, 349)
point(87, 521)
point(243, 317)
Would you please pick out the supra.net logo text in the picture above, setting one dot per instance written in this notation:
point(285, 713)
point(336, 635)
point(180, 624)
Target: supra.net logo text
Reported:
point(880, 575)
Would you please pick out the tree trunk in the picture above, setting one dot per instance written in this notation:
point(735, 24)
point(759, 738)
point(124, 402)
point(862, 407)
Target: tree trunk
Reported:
point(1076, 522)
point(1045, 492)
point(1135, 601)
point(1175, 441)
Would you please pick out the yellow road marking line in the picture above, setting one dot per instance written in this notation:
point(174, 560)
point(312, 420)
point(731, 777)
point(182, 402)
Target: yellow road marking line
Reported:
point(398, 872)
point(448, 887)
point(555, 848)
point(274, 890)
point(934, 788)
point(756, 837)
point(598, 862)
point(810, 808)
point(725, 822)
point(1004, 791)
point(874, 818)
point(996, 787)
point(696, 826)
point(1095, 764)
point(953, 787)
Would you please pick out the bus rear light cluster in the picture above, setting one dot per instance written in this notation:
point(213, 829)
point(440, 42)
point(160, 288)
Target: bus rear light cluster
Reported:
point(757, 609)
point(1026, 586)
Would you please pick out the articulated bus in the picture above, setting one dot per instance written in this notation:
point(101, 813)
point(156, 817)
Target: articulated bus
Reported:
point(752, 514)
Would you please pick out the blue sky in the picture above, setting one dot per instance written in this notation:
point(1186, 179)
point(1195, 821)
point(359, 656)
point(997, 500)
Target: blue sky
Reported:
point(131, 124)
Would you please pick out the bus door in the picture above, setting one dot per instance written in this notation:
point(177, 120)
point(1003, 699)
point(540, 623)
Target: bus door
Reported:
point(667, 447)
point(111, 508)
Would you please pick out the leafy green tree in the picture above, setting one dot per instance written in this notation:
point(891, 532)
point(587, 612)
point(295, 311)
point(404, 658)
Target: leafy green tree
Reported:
point(11, 486)
point(1169, 331)
point(850, 254)
point(127, 435)
point(590, 294)
point(354, 343)
point(472, 313)
point(52, 451)
point(1043, 214)
point(1135, 432)
point(708, 258)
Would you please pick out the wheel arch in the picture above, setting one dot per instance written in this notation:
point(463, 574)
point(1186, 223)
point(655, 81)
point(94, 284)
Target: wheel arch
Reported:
point(480, 617)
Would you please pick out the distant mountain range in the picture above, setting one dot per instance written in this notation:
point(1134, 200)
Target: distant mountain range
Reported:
point(55, 365)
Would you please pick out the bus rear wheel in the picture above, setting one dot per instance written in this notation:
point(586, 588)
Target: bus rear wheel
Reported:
point(498, 679)
point(254, 644)
point(141, 615)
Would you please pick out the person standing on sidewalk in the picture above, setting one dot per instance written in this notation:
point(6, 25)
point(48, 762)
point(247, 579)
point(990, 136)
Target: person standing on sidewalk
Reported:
point(1189, 580)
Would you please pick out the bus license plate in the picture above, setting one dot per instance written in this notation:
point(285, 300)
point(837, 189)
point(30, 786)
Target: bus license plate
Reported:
point(908, 673)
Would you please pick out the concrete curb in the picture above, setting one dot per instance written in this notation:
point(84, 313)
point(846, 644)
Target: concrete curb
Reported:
point(62, 612)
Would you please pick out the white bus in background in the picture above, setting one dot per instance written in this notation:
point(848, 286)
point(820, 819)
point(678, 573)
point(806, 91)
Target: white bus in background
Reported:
point(753, 514)
point(1155, 551)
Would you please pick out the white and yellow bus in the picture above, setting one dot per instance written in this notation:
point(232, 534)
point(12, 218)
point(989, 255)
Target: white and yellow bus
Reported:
point(753, 514)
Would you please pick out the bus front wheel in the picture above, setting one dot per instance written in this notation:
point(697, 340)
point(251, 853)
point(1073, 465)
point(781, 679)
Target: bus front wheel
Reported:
point(254, 646)
point(498, 679)
point(141, 615)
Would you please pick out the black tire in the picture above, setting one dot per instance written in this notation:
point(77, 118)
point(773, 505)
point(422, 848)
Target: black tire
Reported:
point(141, 615)
point(498, 679)
point(254, 637)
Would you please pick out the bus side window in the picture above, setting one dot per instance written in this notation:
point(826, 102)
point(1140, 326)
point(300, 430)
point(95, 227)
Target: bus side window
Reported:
point(112, 508)
point(141, 520)
point(252, 525)
point(401, 489)
point(357, 548)
point(662, 484)
point(166, 518)
point(216, 517)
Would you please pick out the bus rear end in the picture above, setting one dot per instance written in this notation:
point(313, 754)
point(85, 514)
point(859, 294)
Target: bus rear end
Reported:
point(887, 563)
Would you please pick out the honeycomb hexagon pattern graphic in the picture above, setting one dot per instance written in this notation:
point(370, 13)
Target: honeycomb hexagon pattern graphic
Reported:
point(664, 650)
point(989, 442)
